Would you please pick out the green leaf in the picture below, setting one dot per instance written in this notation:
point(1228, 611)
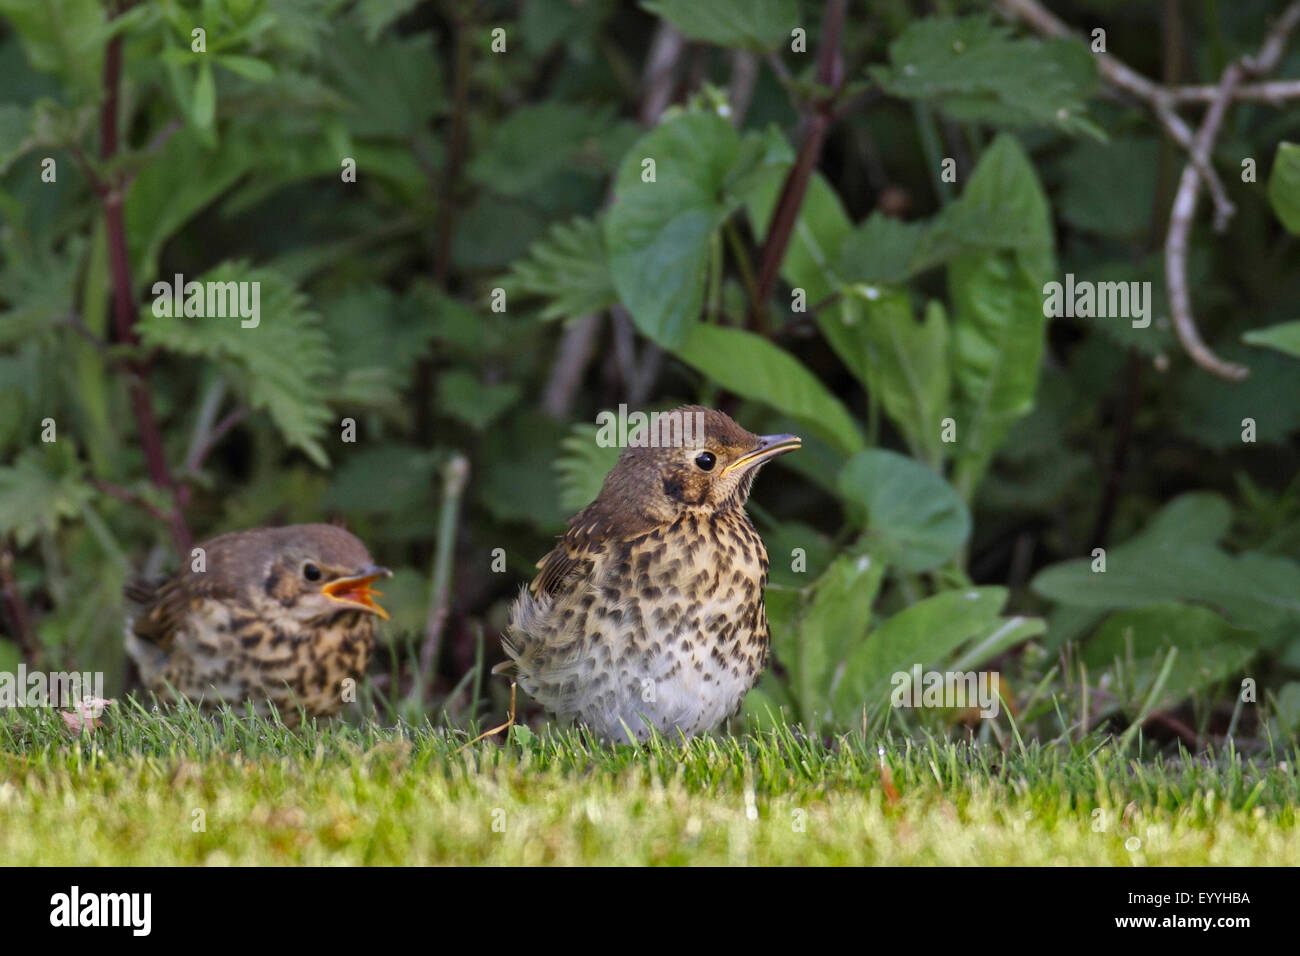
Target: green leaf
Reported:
point(462, 396)
point(998, 325)
point(281, 366)
point(64, 37)
point(902, 362)
point(753, 367)
point(1175, 559)
point(249, 67)
point(203, 108)
point(375, 15)
point(535, 144)
point(973, 70)
point(394, 87)
point(914, 519)
point(1210, 649)
point(582, 467)
point(42, 487)
point(1285, 337)
point(835, 622)
point(757, 25)
point(658, 233)
point(15, 129)
point(881, 250)
point(925, 633)
point(570, 269)
point(1284, 186)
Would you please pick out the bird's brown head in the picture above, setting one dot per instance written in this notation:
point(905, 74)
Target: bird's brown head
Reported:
point(696, 458)
point(307, 571)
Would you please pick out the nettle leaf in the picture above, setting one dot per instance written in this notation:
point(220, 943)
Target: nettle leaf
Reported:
point(282, 366)
point(753, 367)
point(902, 362)
point(394, 87)
point(568, 267)
point(1284, 186)
point(757, 25)
point(38, 491)
point(377, 340)
point(973, 69)
point(1284, 337)
point(657, 233)
point(925, 633)
point(462, 396)
point(582, 467)
point(914, 519)
point(881, 249)
point(536, 143)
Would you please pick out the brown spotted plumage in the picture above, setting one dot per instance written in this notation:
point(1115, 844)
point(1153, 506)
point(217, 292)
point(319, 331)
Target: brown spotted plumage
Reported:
point(275, 616)
point(649, 611)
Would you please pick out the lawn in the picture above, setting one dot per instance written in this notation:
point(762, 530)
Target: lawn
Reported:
point(180, 788)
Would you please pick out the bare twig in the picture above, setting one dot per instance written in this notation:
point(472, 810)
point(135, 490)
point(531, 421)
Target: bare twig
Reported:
point(22, 624)
point(1199, 147)
point(455, 474)
point(1184, 208)
point(577, 345)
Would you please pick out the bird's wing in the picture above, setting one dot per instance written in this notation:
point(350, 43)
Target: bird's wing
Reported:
point(573, 558)
point(163, 603)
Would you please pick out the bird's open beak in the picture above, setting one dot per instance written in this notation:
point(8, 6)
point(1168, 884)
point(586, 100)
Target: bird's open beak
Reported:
point(356, 592)
point(769, 446)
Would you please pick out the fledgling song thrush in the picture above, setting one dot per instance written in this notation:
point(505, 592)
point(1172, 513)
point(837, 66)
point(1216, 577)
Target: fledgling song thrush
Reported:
point(649, 612)
point(277, 616)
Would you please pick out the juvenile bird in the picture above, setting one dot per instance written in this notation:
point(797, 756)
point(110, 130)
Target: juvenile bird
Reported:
point(649, 611)
point(273, 615)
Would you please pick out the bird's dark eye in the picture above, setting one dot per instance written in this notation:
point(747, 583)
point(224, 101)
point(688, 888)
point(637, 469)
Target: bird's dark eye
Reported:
point(705, 461)
point(311, 572)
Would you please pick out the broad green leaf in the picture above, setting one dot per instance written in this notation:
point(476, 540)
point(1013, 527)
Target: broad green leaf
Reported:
point(657, 233)
point(753, 367)
point(393, 87)
point(880, 250)
point(519, 155)
point(757, 25)
point(1175, 559)
point(569, 268)
point(37, 492)
point(1284, 186)
point(282, 365)
point(902, 362)
point(925, 633)
point(1284, 337)
point(998, 638)
point(1209, 648)
point(837, 618)
point(998, 320)
point(915, 520)
point(974, 70)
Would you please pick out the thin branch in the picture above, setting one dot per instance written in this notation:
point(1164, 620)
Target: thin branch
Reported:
point(1184, 208)
point(219, 431)
point(455, 475)
point(1274, 92)
point(830, 73)
point(124, 311)
point(22, 622)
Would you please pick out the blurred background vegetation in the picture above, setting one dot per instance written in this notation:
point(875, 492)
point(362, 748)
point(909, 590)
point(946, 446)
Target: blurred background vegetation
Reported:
point(845, 232)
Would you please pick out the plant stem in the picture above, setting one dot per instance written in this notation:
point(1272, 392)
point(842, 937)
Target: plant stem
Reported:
point(455, 475)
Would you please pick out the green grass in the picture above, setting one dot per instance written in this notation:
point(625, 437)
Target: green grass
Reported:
point(339, 793)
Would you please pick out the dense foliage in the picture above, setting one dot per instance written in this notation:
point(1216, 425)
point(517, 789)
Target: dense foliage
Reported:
point(478, 225)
